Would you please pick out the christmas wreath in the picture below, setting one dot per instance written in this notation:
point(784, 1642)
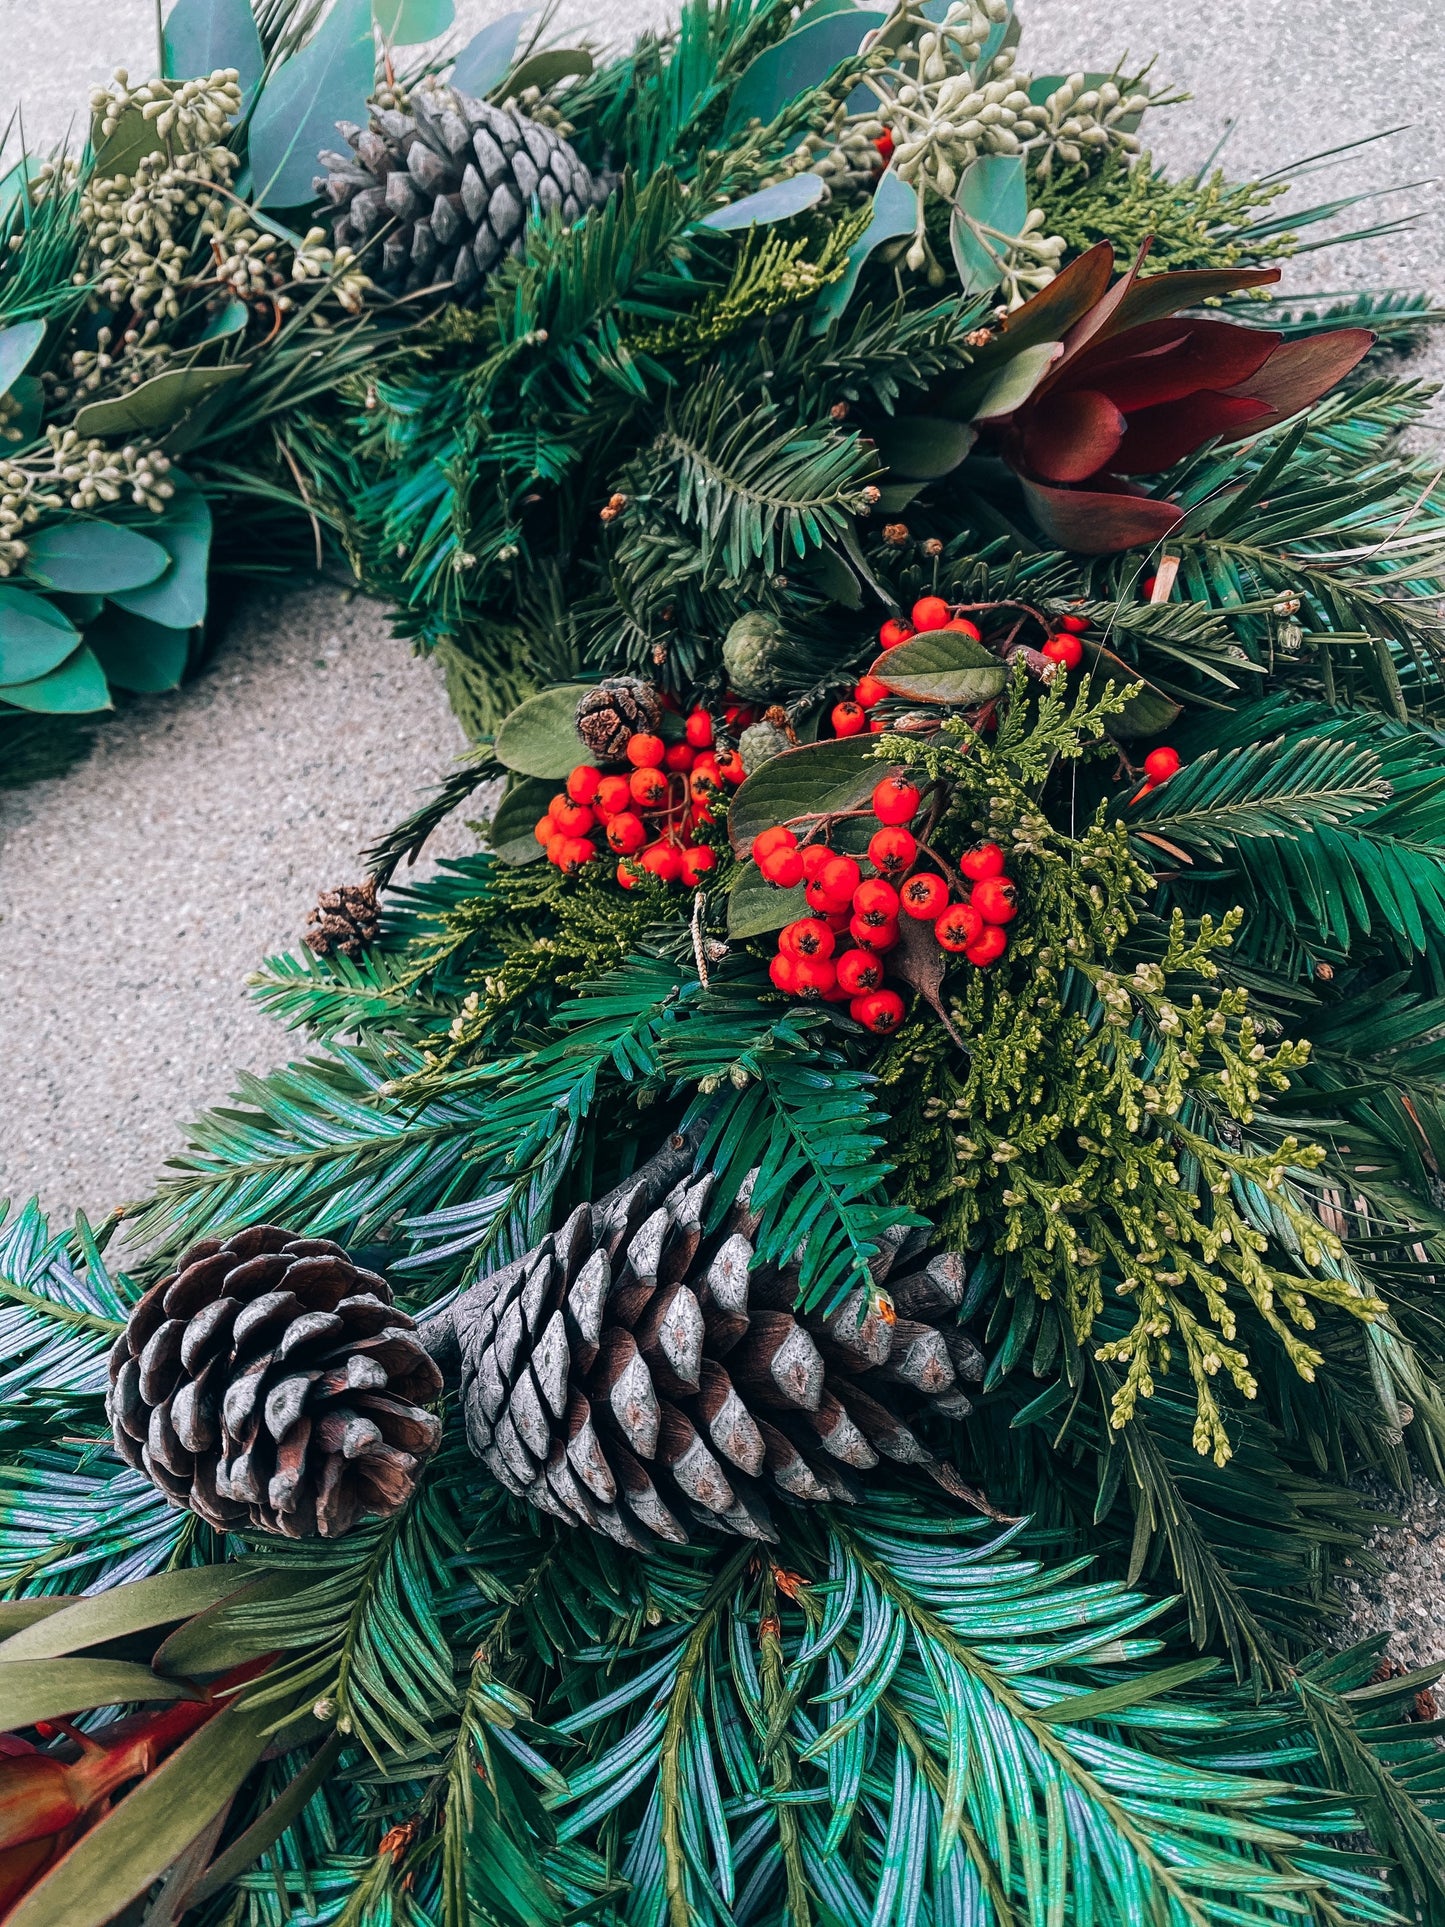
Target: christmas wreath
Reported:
point(797, 1350)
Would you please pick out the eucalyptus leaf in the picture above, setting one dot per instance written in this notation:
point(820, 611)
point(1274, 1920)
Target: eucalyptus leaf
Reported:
point(942, 666)
point(328, 81)
point(775, 203)
point(93, 558)
point(540, 737)
point(136, 654)
point(544, 70)
point(404, 22)
point(1149, 711)
point(54, 1688)
point(994, 193)
point(177, 599)
point(796, 64)
point(17, 345)
point(922, 448)
point(523, 804)
point(77, 688)
point(35, 636)
point(485, 60)
point(230, 320)
point(840, 774)
point(895, 213)
point(28, 394)
point(158, 404)
point(202, 35)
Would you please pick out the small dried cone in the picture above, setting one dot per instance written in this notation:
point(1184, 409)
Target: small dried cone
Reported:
point(271, 1382)
point(347, 920)
point(637, 1376)
point(619, 707)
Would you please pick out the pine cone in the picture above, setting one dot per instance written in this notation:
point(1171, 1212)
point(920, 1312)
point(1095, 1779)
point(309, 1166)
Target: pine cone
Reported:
point(449, 185)
point(344, 920)
point(631, 1374)
point(619, 707)
point(272, 1382)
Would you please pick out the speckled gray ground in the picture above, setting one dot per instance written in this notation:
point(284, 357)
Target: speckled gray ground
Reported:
point(136, 894)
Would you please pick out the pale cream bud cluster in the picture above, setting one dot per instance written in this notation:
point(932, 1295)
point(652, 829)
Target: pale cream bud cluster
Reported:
point(70, 471)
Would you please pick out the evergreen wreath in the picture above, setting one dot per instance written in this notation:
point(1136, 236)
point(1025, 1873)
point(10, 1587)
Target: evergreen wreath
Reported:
point(796, 1350)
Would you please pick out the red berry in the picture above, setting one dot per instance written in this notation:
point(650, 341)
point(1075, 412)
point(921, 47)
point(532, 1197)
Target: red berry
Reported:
point(815, 855)
point(821, 898)
point(731, 767)
point(783, 970)
point(678, 756)
point(880, 1011)
point(1146, 587)
point(572, 819)
point(989, 945)
point(847, 719)
point(1160, 764)
point(696, 862)
point(645, 751)
point(663, 860)
point(625, 833)
point(704, 781)
point(996, 899)
point(894, 631)
point(766, 841)
point(859, 971)
point(698, 729)
point(614, 793)
point(895, 800)
point(649, 788)
point(546, 829)
point(877, 727)
point(924, 896)
point(884, 144)
point(963, 627)
point(582, 783)
point(985, 861)
point(627, 874)
point(1076, 625)
point(556, 843)
point(808, 937)
point(892, 851)
point(576, 850)
point(869, 690)
point(875, 901)
point(930, 612)
point(1064, 649)
point(958, 927)
point(783, 868)
point(840, 877)
point(738, 715)
point(873, 936)
point(814, 976)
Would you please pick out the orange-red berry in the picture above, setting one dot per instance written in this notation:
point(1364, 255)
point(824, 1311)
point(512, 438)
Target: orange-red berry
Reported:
point(814, 976)
point(679, 757)
point(963, 627)
point(613, 794)
point(988, 946)
point(556, 843)
point(996, 899)
point(731, 767)
point(783, 867)
point(873, 936)
point(783, 971)
point(931, 612)
point(662, 860)
point(840, 877)
point(645, 751)
point(1065, 650)
point(958, 927)
point(847, 719)
point(859, 971)
point(869, 690)
point(648, 787)
point(924, 896)
point(892, 851)
point(698, 729)
point(582, 783)
point(879, 1010)
point(807, 937)
point(875, 901)
point(576, 850)
point(766, 841)
point(895, 800)
point(985, 861)
point(546, 829)
point(1075, 625)
point(572, 819)
point(627, 874)
point(815, 855)
point(1160, 764)
point(625, 833)
point(894, 631)
point(697, 860)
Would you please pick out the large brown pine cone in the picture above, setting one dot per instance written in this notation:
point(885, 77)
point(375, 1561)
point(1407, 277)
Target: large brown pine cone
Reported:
point(452, 181)
point(270, 1382)
point(632, 1375)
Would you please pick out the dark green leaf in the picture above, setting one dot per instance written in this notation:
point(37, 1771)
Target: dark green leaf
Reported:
point(840, 774)
point(1149, 711)
point(128, 1609)
point(76, 688)
point(942, 666)
point(53, 1688)
point(775, 203)
point(35, 637)
point(522, 806)
point(266, 1830)
point(16, 1614)
point(803, 60)
point(93, 558)
point(1011, 387)
point(202, 35)
point(484, 61)
point(17, 345)
point(328, 81)
point(137, 654)
point(540, 737)
point(177, 599)
point(28, 391)
point(922, 448)
point(756, 906)
point(230, 320)
point(133, 138)
point(158, 404)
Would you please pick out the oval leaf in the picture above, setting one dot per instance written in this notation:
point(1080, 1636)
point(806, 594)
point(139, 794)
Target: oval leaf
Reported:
point(942, 666)
point(544, 70)
point(94, 558)
point(921, 448)
point(158, 404)
point(141, 656)
point(756, 906)
point(202, 35)
point(994, 193)
point(1149, 712)
point(129, 142)
point(840, 774)
point(57, 1687)
point(230, 320)
point(17, 345)
point(773, 203)
point(404, 22)
point(540, 737)
point(483, 63)
point(895, 213)
point(326, 82)
point(801, 61)
point(1011, 387)
point(509, 837)
point(76, 688)
point(177, 598)
point(34, 636)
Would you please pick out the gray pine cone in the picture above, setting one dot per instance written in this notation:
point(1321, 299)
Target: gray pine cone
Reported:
point(448, 187)
point(635, 1376)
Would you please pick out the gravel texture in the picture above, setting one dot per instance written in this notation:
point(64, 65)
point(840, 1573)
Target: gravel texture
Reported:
point(137, 893)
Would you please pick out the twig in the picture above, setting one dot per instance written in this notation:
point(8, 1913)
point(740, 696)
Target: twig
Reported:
point(290, 462)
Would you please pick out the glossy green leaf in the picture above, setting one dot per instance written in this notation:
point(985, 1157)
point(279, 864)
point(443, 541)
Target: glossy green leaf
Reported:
point(776, 203)
point(50, 1689)
point(756, 906)
point(139, 655)
point(158, 404)
point(76, 688)
point(942, 666)
point(328, 81)
point(177, 598)
point(404, 22)
point(994, 193)
point(839, 774)
point(35, 637)
point(17, 345)
point(128, 1609)
point(202, 35)
point(921, 448)
point(483, 63)
point(895, 213)
point(1011, 387)
point(540, 737)
point(134, 1843)
point(545, 70)
point(93, 558)
point(797, 63)
point(526, 798)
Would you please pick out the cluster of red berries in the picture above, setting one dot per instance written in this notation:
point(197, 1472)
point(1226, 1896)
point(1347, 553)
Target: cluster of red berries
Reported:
point(1159, 765)
point(649, 817)
point(861, 913)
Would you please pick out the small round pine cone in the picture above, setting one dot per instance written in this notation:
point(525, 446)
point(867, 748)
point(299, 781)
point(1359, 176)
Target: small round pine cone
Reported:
point(619, 707)
point(271, 1382)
